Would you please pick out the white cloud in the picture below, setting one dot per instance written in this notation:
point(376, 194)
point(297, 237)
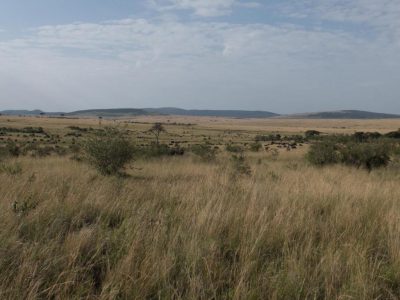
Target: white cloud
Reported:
point(141, 63)
point(161, 41)
point(204, 8)
point(382, 15)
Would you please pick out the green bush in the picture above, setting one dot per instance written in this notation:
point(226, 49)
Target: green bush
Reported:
point(109, 151)
point(158, 150)
point(10, 149)
point(323, 153)
point(393, 134)
point(234, 148)
point(312, 133)
point(3, 153)
point(361, 137)
point(255, 147)
point(268, 138)
point(13, 149)
point(366, 155)
point(204, 151)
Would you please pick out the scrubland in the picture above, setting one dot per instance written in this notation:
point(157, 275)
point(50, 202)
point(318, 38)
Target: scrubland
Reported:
point(184, 228)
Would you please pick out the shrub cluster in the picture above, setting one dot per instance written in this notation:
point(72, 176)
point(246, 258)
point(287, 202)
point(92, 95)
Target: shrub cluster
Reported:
point(361, 155)
point(158, 150)
point(323, 153)
point(256, 146)
point(37, 130)
point(205, 151)
point(364, 137)
point(268, 138)
point(10, 149)
point(234, 148)
point(277, 137)
point(312, 133)
point(393, 134)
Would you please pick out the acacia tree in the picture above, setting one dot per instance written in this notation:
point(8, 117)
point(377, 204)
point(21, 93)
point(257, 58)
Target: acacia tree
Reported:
point(156, 130)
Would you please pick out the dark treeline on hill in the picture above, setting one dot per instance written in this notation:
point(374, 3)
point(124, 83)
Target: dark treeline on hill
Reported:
point(127, 112)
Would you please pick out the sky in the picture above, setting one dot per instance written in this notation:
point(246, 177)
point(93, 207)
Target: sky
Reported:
point(284, 56)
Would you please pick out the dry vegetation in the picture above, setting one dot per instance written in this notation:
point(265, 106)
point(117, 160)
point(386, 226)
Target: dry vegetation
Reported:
point(185, 228)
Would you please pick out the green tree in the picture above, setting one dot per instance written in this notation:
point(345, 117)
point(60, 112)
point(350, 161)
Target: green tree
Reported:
point(156, 130)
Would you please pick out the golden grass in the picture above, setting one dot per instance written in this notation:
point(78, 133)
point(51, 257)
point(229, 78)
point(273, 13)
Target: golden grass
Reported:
point(291, 126)
point(179, 228)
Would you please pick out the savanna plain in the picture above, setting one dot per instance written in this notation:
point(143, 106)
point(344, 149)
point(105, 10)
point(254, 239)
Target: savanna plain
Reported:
point(210, 208)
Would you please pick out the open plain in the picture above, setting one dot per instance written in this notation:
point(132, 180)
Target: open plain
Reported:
point(180, 227)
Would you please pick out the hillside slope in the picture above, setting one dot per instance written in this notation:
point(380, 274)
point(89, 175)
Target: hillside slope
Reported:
point(344, 114)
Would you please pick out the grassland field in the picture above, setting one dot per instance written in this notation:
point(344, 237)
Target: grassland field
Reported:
point(181, 228)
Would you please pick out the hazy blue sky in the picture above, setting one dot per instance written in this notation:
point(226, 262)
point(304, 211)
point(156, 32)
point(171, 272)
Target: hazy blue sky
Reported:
point(279, 55)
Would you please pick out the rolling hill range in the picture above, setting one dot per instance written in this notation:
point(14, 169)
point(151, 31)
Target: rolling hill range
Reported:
point(343, 114)
point(21, 112)
point(210, 113)
point(131, 112)
point(109, 113)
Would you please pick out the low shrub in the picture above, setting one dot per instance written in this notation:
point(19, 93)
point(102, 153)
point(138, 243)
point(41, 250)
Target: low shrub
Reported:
point(240, 165)
point(109, 151)
point(3, 153)
point(361, 137)
point(205, 151)
point(234, 148)
point(29, 148)
point(31, 130)
point(76, 148)
point(158, 150)
point(38, 130)
point(10, 149)
point(255, 147)
point(23, 207)
point(312, 133)
point(268, 138)
point(13, 149)
point(176, 151)
point(393, 134)
point(77, 128)
point(296, 138)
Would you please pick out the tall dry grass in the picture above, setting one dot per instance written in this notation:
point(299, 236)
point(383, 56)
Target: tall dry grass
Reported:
point(184, 229)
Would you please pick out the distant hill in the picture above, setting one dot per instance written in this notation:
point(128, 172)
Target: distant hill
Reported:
point(21, 112)
point(125, 112)
point(130, 112)
point(344, 114)
point(210, 113)
point(109, 113)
